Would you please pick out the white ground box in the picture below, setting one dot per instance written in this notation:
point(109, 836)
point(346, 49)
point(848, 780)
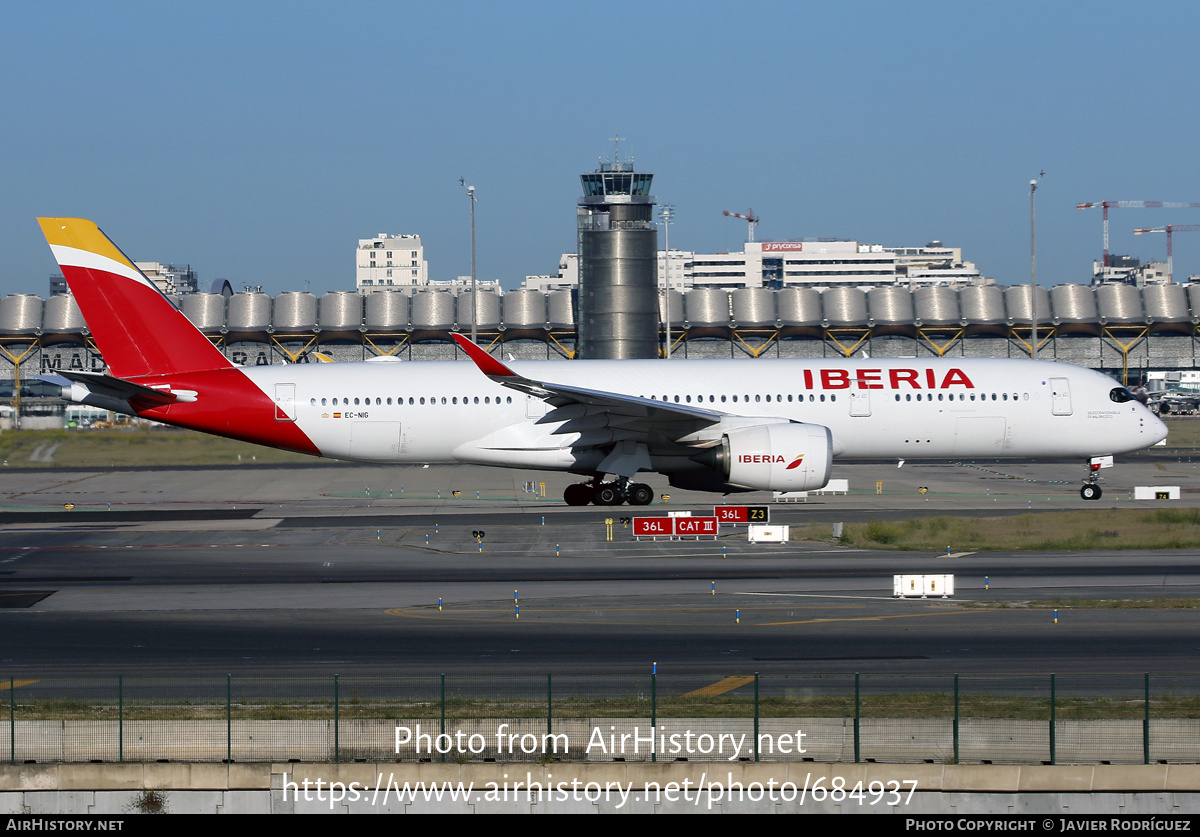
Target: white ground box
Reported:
point(1156, 492)
point(766, 533)
point(835, 487)
point(791, 497)
point(679, 514)
point(937, 585)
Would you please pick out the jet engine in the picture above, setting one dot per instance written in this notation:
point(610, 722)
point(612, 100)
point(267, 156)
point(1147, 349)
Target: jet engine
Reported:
point(774, 457)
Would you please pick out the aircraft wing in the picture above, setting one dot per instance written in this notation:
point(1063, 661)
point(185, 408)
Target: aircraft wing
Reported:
point(632, 427)
point(562, 395)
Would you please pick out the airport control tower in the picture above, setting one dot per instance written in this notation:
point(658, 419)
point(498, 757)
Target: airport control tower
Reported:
point(618, 264)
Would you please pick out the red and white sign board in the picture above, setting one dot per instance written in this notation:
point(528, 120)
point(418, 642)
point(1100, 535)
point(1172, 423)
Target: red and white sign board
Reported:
point(651, 527)
point(742, 514)
point(677, 527)
point(702, 527)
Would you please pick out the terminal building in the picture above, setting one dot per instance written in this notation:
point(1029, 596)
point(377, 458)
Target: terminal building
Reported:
point(817, 263)
point(1120, 329)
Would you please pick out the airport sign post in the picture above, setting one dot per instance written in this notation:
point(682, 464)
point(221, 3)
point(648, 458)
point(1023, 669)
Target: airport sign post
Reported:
point(675, 528)
point(742, 514)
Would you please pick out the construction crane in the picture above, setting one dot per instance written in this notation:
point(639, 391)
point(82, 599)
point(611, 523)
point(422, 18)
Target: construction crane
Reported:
point(750, 218)
point(1169, 229)
point(1130, 205)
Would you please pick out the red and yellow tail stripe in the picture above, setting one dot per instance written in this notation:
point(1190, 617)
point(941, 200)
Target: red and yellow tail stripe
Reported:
point(76, 242)
point(138, 330)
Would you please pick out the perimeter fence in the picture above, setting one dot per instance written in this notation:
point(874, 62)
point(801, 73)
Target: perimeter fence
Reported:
point(946, 719)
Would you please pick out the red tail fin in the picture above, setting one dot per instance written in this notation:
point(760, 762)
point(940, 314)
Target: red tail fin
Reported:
point(136, 328)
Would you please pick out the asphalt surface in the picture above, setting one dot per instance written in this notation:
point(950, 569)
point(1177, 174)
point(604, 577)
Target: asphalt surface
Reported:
point(338, 569)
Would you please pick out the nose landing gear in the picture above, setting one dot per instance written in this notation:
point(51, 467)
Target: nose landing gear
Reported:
point(1091, 485)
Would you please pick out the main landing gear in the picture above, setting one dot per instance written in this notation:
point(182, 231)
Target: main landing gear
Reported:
point(609, 493)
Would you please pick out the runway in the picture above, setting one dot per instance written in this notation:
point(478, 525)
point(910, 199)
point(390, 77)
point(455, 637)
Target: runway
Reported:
point(339, 568)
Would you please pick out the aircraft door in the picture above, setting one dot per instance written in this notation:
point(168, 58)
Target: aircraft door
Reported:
point(534, 407)
point(285, 402)
point(1060, 396)
point(860, 403)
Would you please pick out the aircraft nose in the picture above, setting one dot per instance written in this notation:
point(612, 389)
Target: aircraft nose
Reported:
point(1157, 429)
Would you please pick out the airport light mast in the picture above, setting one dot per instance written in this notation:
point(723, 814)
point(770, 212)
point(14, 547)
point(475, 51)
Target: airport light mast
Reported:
point(667, 212)
point(474, 286)
point(1033, 342)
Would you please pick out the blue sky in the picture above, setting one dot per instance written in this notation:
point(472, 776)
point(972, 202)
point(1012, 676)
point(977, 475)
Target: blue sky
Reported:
point(259, 141)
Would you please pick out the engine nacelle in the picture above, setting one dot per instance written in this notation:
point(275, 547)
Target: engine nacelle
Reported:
point(778, 457)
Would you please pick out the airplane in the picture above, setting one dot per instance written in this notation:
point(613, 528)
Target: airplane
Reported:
point(714, 425)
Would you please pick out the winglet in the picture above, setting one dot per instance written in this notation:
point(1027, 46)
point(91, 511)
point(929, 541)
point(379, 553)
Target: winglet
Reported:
point(487, 364)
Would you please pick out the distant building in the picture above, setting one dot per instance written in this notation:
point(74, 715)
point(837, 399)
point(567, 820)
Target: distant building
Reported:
point(395, 261)
point(816, 264)
point(566, 278)
point(58, 285)
point(170, 279)
point(1126, 270)
point(461, 284)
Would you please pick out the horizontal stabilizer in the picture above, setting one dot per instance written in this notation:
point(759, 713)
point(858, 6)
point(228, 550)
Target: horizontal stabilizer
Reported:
point(107, 386)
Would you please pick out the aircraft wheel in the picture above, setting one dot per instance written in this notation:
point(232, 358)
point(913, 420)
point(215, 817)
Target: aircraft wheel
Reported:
point(640, 494)
point(578, 494)
point(608, 495)
point(1090, 492)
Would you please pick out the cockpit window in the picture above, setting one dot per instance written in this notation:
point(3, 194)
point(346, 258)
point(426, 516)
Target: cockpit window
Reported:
point(1120, 395)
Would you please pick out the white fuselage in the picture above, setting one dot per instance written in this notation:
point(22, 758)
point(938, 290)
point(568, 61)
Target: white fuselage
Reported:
point(908, 408)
